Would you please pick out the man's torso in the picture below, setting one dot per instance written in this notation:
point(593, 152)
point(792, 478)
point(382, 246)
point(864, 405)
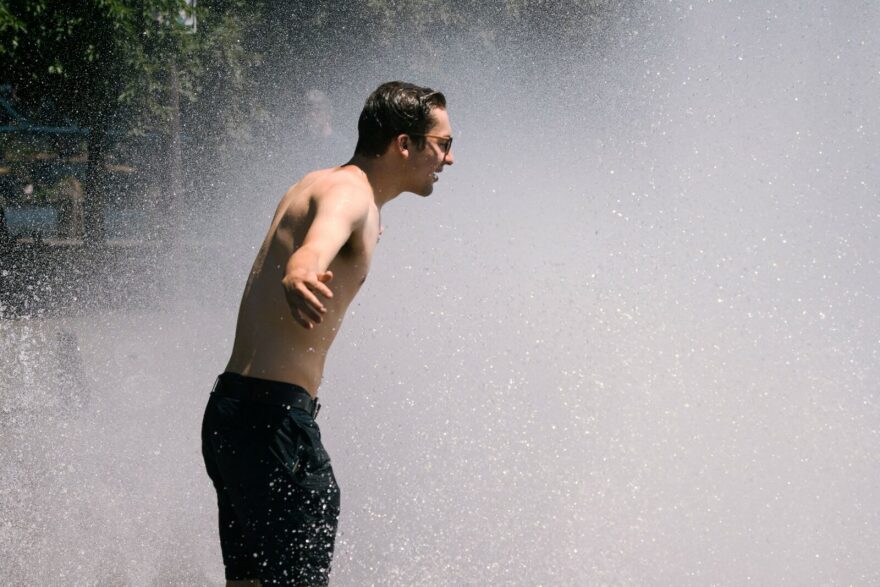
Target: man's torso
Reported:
point(269, 344)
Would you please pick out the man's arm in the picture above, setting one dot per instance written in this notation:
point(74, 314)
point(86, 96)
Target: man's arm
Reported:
point(339, 213)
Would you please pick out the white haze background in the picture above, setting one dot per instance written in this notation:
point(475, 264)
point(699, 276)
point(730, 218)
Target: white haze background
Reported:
point(632, 338)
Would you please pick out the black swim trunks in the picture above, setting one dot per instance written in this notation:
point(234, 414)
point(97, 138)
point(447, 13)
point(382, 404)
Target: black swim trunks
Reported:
point(277, 496)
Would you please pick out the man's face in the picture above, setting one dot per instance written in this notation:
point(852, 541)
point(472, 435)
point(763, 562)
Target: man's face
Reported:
point(429, 161)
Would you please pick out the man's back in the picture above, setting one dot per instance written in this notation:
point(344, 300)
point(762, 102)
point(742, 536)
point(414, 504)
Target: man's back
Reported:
point(269, 343)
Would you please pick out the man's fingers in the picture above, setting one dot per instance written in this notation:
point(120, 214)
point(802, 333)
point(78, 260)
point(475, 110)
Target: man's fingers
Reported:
point(311, 314)
point(323, 290)
point(323, 278)
point(300, 307)
point(298, 317)
point(311, 299)
point(306, 307)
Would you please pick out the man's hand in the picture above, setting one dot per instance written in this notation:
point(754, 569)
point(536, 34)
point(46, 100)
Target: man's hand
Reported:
point(340, 211)
point(302, 289)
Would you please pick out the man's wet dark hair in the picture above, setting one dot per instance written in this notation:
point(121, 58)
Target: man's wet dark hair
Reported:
point(396, 108)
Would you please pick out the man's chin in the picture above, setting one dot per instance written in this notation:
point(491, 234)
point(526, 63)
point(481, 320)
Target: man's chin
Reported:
point(424, 191)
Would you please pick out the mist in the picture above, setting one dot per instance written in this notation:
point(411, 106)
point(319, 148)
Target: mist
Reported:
point(632, 337)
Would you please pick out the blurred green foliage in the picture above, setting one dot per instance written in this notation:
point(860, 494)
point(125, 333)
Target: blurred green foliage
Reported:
point(215, 70)
point(106, 62)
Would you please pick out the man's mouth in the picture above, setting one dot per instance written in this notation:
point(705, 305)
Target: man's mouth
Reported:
point(434, 177)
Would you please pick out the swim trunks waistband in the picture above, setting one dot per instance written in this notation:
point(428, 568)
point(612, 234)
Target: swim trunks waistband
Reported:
point(243, 387)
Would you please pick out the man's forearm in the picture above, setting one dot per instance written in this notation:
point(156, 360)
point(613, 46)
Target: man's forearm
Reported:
point(305, 259)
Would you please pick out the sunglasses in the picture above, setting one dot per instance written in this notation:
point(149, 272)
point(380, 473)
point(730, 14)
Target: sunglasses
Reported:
point(444, 143)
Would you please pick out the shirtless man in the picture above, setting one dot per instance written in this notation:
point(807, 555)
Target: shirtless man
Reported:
point(277, 497)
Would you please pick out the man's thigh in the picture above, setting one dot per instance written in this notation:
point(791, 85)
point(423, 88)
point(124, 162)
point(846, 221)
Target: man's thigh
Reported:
point(279, 502)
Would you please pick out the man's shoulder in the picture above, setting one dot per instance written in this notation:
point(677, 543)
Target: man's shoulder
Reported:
point(339, 183)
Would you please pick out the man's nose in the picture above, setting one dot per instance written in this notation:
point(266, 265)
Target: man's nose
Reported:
point(448, 159)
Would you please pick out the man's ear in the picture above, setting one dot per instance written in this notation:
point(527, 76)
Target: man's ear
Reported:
point(403, 144)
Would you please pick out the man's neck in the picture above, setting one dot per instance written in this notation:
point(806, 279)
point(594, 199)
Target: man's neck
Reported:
point(382, 175)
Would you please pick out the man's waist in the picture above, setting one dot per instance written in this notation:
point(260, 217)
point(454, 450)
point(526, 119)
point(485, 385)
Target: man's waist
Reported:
point(247, 388)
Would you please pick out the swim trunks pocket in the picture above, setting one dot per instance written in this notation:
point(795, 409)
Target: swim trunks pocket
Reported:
point(312, 470)
point(287, 447)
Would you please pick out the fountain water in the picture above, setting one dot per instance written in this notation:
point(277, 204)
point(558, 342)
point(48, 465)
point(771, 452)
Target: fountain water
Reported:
point(631, 339)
